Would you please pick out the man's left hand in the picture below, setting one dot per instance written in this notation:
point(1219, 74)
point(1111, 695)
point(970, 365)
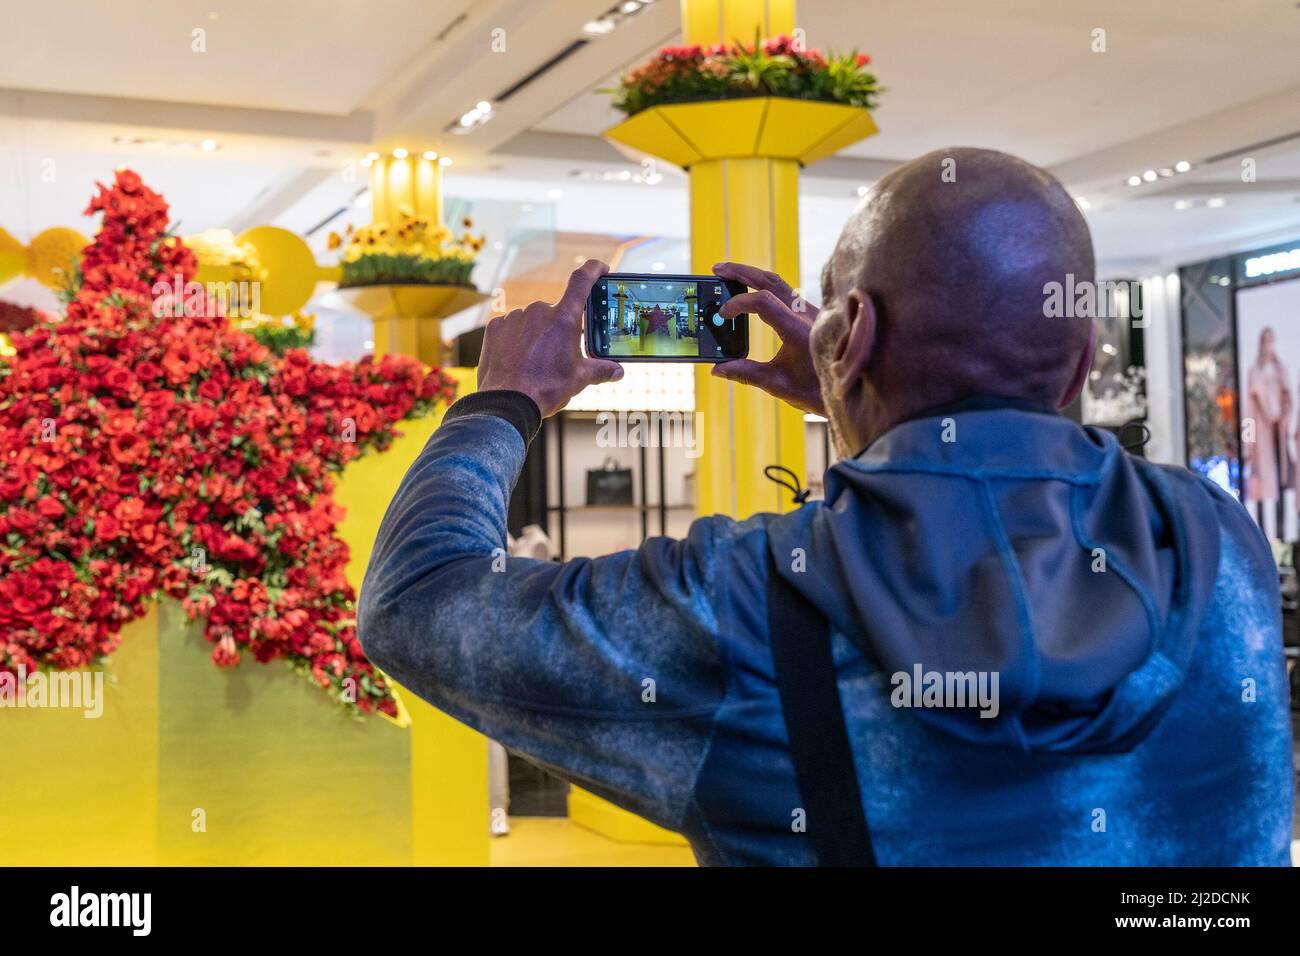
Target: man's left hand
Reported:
point(537, 350)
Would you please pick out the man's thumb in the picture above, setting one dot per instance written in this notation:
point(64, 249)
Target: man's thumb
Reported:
point(597, 371)
point(738, 370)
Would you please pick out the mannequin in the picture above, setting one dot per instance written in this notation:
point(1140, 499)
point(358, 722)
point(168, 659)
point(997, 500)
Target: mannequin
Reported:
point(1267, 450)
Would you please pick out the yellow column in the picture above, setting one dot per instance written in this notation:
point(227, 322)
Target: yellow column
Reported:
point(449, 783)
point(410, 185)
point(745, 209)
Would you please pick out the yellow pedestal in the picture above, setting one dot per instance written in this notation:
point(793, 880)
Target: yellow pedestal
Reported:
point(448, 770)
point(408, 318)
point(614, 823)
point(744, 158)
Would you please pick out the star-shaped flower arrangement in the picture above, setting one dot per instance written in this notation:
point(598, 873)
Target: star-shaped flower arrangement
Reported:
point(148, 448)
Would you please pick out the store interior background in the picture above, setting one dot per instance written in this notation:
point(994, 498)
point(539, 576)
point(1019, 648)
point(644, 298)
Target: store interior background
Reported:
point(270, 123)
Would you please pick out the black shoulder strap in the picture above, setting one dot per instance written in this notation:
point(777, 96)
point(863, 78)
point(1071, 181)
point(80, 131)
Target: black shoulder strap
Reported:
point(814, 722)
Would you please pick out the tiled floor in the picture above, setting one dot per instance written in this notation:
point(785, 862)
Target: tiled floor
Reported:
point(555, 841)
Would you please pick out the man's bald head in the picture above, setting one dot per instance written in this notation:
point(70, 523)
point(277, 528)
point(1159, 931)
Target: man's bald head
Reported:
point(953, 251)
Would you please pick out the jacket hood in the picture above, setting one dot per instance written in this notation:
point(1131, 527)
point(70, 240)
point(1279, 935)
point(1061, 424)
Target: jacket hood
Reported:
point(1019, 549)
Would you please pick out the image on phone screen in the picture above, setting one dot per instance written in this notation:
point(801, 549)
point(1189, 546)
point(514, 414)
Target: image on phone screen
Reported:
point(665, 318)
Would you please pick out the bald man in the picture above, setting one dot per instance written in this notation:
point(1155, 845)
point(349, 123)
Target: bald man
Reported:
point(1000, 640)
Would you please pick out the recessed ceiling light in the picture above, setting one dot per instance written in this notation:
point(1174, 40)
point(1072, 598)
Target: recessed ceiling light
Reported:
point(1181, 204)
point(862, 191)
point(1166, 172)
point(444, 160)
point(210, 144)
point(630, 6)
point(1182, 166)
point(1150, 175)
point(483, 106)
point(1216, 203)
point(598, 28)
point(372, 156)
point(1135, 180)
point(430, 155)
point(399, 153)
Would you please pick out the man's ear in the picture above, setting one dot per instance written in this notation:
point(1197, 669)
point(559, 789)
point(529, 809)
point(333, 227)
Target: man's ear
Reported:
point(1081, 370)
point(856, 344)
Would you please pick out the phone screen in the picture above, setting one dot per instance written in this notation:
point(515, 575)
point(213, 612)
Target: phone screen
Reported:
point(664, 318)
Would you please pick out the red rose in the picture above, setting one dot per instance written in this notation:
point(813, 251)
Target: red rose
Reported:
point(106, 527)
point(51, 507)
point(211, 390)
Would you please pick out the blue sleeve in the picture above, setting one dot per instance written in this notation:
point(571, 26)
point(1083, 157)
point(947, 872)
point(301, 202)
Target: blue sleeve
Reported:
point(606, 670)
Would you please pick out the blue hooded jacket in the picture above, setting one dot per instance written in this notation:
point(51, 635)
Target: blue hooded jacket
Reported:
point(1128, 613)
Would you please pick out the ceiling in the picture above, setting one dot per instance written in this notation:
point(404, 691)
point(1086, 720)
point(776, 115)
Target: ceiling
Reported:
point(291, 94)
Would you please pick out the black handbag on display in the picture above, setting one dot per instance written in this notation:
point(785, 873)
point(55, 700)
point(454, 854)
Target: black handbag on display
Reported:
point(609, 484)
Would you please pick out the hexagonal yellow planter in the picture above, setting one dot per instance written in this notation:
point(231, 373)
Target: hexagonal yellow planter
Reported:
point(771, 127)
point(408, 316)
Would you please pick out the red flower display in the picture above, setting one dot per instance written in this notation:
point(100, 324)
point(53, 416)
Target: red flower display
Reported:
point(779, 66)
point(147, 448)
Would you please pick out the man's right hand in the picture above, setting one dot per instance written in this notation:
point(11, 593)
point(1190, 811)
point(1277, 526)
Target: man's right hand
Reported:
point(790, 375)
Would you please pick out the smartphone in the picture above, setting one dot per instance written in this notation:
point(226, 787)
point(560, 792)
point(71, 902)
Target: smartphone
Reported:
point(660, 318)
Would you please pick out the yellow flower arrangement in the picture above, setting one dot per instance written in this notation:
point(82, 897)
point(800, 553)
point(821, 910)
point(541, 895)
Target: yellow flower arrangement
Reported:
point(414, 250)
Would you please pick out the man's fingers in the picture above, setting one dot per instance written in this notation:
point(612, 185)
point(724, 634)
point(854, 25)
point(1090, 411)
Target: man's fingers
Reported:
point(574, 301)
point(769, 308)
point(756, 278)
point(744, 371)
point(596, 371)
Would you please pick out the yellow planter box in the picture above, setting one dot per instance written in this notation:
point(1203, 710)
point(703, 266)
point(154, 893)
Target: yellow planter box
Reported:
point(191, 764)
point(771, 127)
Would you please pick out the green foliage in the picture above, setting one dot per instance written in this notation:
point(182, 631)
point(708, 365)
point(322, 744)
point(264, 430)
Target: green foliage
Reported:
point(279, 337)
point(391, 269)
